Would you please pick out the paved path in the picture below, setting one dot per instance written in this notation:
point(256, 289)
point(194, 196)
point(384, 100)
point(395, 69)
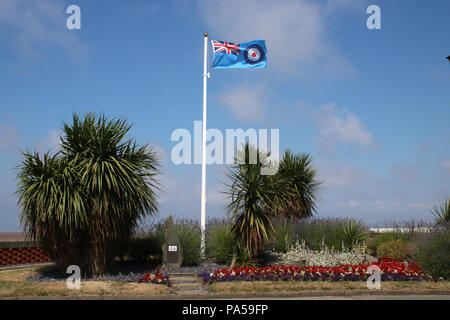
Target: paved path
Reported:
point(187, 284)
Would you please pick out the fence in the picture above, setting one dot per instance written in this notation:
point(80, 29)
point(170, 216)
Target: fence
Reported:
point(22, 252)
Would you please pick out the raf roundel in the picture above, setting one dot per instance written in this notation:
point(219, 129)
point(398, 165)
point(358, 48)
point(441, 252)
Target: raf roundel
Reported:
point(254, 54)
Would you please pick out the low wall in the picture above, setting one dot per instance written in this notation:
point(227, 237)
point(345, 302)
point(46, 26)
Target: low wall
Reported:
point(22, 252)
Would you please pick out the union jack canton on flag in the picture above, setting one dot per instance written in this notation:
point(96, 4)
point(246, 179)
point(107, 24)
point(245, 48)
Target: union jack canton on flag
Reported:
point(245, 55)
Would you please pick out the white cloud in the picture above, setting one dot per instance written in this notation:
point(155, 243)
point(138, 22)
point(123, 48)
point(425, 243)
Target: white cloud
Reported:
point(9, 137)
point(25, 25)
point(341, 126)
point(49, 143)
point(334, 175)
point(446, 164)
point(419, 205)
point(246, 102)
point(294, 30)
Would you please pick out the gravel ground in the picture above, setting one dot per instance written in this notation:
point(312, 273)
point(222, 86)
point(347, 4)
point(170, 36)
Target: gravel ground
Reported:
point(124, 272)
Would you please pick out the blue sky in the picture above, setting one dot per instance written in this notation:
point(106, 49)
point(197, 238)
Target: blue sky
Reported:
point(371, 106)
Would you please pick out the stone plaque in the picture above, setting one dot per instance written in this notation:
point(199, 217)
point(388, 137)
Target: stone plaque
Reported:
point(172, 254)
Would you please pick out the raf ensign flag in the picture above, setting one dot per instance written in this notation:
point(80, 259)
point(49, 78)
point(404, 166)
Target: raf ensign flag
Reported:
point(245, 55)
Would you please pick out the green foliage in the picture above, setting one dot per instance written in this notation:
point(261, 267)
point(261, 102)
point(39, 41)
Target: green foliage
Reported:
point(251, 199)
point(396, 249)
point(314, 231)
point(298, 186)
point(284, 235)
point(147, 250)
point(371, 245)
point(354, 232)
point(89, 194)
point(441, 212)
point(256, 198)
point(220, 242)
point(189, 234)
point(432, 252)
point(381, 238)
point(246, 258)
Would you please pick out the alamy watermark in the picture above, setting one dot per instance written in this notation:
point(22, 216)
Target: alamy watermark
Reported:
point(374, 281)
point(189, 151)
point(74, 280)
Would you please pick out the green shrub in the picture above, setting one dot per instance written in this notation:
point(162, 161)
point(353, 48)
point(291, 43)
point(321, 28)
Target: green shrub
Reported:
point(381, 238)
point(147, 249)
point(145, 245)
point(441, 212)
point(396, 249)
point(219, 242)
point(315, 230)
point(354, 232)
point(189, 234)
point(221, 245)
point(371, 245)
point(284, 235)
point(432, 252)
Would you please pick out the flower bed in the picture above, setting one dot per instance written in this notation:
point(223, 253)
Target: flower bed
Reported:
point(157, 278)
point(322, 257)
point(391, 270)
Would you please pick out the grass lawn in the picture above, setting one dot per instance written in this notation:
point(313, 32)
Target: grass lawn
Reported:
point(13, 284)
point(272, 286)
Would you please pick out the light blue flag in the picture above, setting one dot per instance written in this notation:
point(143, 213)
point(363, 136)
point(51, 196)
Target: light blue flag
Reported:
point(245, 55)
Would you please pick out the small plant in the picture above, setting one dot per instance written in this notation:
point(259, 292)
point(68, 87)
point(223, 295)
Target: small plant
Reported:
point(353, 233)
point(157, 278)
point(220, 242)
point(284, 235)
point(441, 212)
point(188, 233)
point(301, 254)
point(432, 252)
point(395, 249)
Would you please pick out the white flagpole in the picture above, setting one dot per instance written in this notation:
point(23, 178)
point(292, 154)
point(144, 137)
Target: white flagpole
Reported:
point(203, 200)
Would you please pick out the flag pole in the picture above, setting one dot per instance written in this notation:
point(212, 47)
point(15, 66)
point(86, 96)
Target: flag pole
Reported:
point(203, 197)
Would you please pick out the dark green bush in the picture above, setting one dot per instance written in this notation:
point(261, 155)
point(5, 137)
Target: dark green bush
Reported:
point(219, 242)
point(145, 245)
point(432, 252)
point(396, 249)
point(147, 249)
point(189, 234)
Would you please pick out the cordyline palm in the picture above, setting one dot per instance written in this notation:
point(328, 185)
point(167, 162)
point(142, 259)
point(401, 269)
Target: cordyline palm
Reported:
point(297, 197)
point(441, 212)
point(88, 195)
point(251, 195)
point(255, 198)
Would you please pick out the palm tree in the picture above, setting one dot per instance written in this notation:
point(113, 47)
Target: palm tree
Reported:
point(255, 198)
point(89, 194)
point(299, 186)
point(251, 196)
point(442, 212)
